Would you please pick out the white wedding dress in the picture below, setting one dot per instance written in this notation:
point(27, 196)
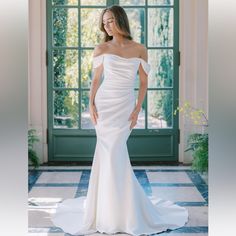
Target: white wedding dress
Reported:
point(115, 201)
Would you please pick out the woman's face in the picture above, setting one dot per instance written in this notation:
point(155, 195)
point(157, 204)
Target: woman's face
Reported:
point(109, 23)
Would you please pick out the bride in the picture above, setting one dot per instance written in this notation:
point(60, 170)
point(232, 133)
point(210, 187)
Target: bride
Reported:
point(115, 200)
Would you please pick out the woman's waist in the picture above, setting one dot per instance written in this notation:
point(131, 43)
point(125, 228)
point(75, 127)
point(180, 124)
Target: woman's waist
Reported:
point(110, 85)
point(114, 93)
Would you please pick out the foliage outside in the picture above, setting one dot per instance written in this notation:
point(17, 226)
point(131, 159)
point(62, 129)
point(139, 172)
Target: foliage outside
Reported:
point(32, 155)
point(196, 142)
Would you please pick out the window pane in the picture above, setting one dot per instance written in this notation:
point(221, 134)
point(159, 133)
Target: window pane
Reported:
point(160, 109)
point(65, 2)
point(137, 81)
point(65, 68)
point(86, 122)
point(90, 32)
point(161, 75)
point(93, 2)
point(131, 2)
point(65, 27)
point(65, 109)
point(86, 68)
point(160, 2)
point(136, 21)
point(160, 27)
point(141, 117)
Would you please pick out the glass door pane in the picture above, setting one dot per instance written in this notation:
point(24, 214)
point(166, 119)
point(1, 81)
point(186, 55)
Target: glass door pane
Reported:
point(65, 27)
point(160, 109)
point(161, 75)
point(160, 27)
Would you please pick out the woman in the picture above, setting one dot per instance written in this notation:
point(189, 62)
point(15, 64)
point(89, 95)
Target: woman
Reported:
point(115, 200)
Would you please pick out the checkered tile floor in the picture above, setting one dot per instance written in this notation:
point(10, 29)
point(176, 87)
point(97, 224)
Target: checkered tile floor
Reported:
point(50, 185)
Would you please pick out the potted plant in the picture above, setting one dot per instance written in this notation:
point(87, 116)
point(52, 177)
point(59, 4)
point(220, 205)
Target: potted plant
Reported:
point(197, 142)
point(32, 155)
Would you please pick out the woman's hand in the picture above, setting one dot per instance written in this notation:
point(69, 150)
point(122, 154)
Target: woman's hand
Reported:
point(93, 113)
point(134, 117)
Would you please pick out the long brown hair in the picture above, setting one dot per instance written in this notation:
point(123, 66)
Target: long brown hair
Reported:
point(121, 22)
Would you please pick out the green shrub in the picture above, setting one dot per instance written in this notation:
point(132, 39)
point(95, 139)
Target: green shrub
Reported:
point(32, 155)
point(198, 144)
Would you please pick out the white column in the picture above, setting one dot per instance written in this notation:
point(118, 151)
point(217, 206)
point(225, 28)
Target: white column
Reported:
point(37, 75)
point(193, 80)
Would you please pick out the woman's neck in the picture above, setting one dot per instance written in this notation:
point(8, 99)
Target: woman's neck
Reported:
point(119, 40)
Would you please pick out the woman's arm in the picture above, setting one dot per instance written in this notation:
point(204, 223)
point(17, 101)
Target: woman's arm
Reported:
point(143, 82)
point(97, 73)
point(142, 89)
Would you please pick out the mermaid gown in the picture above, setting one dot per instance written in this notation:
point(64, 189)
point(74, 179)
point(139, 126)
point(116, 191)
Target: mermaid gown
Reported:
point(115, 201)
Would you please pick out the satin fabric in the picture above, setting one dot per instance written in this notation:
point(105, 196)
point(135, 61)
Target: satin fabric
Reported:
point(115, 200)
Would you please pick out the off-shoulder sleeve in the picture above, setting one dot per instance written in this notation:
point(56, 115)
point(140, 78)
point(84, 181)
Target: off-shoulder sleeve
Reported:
point(97, 61)
point(146, 66)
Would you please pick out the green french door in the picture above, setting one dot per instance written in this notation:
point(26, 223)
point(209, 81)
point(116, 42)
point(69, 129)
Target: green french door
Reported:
point(72, 33)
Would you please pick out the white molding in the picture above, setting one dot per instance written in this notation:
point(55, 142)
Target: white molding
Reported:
point(44, 77)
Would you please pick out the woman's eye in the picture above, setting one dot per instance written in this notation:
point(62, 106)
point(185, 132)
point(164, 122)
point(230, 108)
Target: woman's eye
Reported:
point(108, 22)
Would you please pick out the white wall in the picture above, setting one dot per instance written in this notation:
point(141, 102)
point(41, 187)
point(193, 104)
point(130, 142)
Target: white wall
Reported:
point(193, 70)
point(194, 64)
point(37, 107)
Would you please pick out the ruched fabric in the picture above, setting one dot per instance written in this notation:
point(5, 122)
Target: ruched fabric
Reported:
point(98, 60)
point(115, 200)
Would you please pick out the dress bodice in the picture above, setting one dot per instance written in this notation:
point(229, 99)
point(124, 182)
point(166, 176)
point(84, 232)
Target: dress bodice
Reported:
point(119, 72)
point(121, 66)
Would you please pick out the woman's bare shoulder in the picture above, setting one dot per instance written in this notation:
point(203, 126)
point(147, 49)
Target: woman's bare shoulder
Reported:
point(142, 50)
point(139, 45)
point(100, 49)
